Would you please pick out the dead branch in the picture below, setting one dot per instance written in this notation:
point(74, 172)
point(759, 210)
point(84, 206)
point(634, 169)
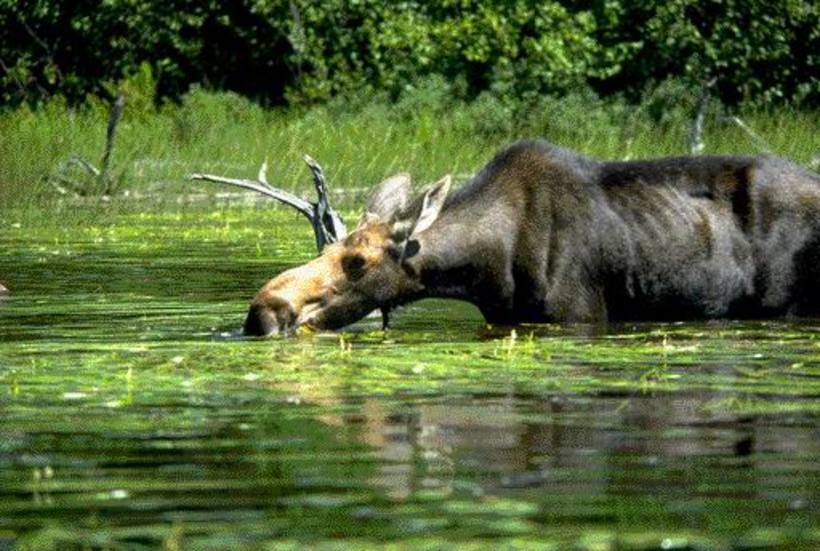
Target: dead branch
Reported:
point(328, 226)
point(110, 136)
point(280, 195)
point(100, 176)
point(74, 160)
point(696, 144)
point(63, 183)
point(756, 138)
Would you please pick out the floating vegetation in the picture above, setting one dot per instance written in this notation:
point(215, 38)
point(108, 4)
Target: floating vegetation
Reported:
point(133, 416)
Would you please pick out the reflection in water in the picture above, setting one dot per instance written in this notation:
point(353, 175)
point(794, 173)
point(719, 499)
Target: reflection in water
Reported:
point(589, 446)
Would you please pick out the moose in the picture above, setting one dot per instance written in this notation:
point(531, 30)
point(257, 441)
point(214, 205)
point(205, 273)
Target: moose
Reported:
point(544, 234)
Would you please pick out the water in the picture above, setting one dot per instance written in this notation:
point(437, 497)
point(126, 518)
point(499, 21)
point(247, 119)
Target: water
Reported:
point(130, 417)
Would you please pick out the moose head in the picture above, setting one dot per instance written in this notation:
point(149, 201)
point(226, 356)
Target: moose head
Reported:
point(365, 271)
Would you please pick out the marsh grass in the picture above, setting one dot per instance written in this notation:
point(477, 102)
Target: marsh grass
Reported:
point(359, 140)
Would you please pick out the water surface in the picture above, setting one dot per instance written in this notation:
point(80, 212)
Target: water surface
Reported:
point(130, 417)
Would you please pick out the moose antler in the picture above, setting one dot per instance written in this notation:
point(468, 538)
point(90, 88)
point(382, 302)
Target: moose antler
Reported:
point(324, 217)
point(327, 224)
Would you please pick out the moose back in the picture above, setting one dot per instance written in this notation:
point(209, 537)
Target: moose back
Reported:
point(543, 234)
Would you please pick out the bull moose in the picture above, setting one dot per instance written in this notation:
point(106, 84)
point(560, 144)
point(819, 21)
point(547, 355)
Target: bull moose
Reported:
point(543, 234)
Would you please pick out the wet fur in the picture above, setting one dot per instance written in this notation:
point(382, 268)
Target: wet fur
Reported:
point(546, 234)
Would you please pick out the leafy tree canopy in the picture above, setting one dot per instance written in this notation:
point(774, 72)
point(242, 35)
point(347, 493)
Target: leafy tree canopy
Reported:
point(300, 51)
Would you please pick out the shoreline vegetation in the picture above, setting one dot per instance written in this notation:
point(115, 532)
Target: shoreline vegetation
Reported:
point(371, 88)
point(358, 140)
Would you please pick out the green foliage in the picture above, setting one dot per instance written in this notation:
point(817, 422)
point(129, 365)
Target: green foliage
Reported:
point(516, 48)
point(202, 113)
point(305, 52)
point(76, 48)
point(755, 51)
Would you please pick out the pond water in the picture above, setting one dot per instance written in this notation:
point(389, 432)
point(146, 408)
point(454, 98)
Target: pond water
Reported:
point(131, 418)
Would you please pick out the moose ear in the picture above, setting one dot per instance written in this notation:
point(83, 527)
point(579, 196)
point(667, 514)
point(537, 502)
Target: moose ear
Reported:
point(432, 203)
point(389, 197)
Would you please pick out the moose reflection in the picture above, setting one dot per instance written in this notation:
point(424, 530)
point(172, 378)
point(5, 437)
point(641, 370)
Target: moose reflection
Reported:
point(611, 443)
point(545, 234)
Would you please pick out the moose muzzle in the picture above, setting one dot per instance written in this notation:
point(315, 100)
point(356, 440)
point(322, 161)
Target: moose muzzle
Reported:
point(291, 298)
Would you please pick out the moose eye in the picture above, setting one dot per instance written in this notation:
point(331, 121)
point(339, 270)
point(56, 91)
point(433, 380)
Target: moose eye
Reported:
point(353, 265)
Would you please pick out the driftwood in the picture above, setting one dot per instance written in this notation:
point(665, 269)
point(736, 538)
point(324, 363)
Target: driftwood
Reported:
point(695, 138)
point(328, 226)
point(110, 136)
point(102, 176)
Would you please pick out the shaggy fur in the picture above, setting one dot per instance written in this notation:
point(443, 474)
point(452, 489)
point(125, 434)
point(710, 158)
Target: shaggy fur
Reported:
point(545, 234)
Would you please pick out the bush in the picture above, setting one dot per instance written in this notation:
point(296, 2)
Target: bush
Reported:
point(202, 113)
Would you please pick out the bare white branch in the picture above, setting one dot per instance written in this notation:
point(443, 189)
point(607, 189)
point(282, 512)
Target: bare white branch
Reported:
point(80, 162)
point(696, 143)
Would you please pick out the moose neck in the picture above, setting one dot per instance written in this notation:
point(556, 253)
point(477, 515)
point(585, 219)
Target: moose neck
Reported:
point(462, 255)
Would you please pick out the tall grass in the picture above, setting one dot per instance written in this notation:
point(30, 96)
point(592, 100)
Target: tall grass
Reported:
point(358, 140)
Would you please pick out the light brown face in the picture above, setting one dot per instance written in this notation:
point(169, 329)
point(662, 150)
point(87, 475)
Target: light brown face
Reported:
point(351, 278)
point(348, 281)
point(280, 305)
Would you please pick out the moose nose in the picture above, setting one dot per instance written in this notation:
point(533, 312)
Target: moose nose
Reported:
point(275, 316)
